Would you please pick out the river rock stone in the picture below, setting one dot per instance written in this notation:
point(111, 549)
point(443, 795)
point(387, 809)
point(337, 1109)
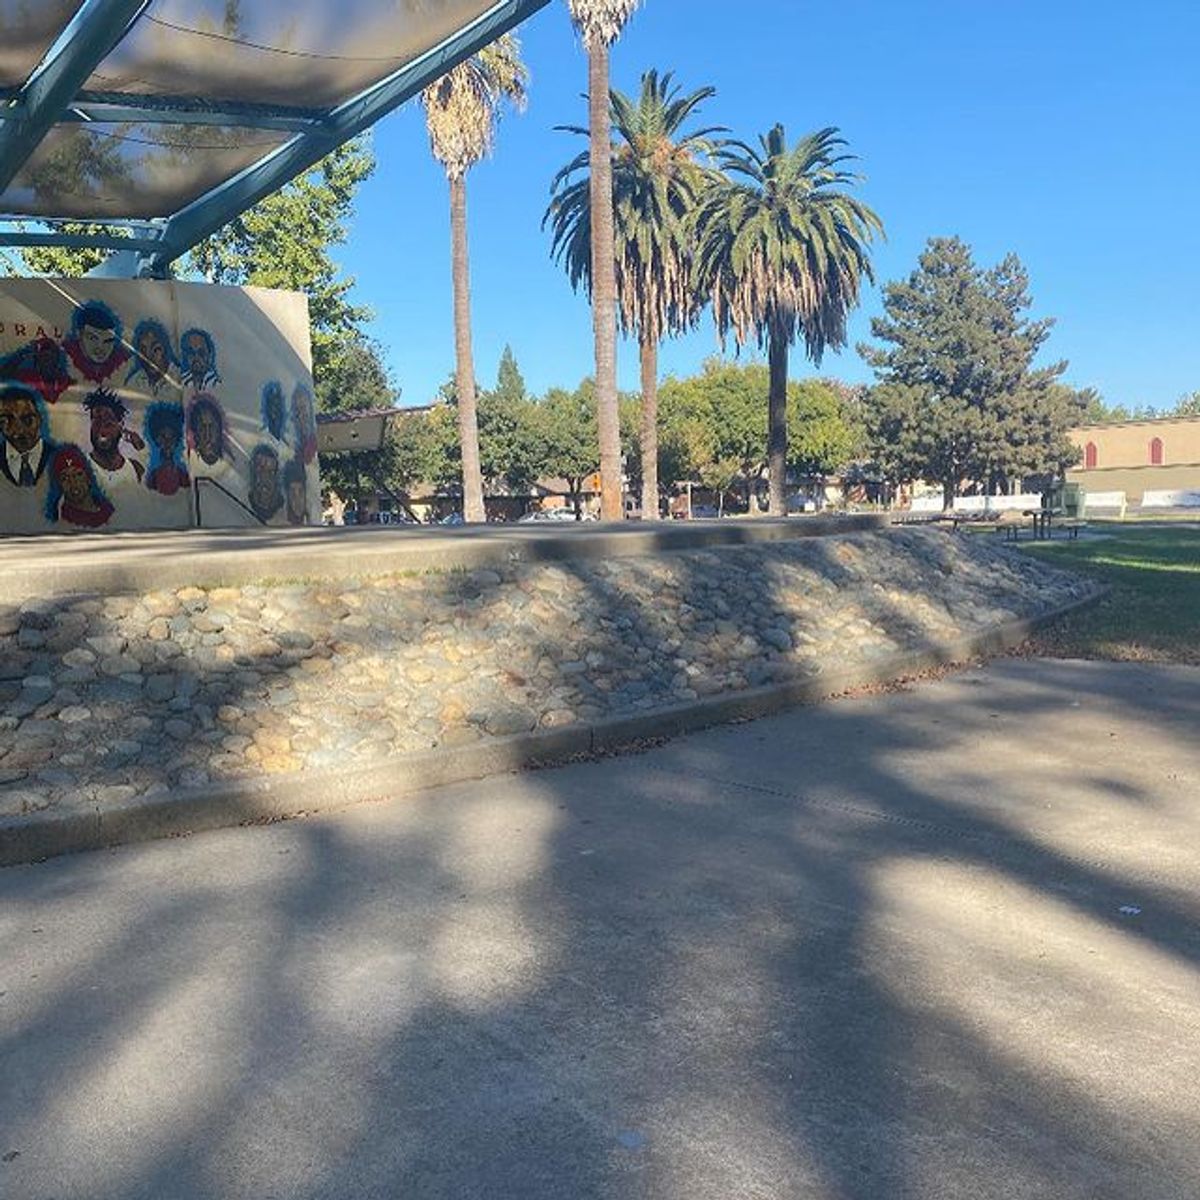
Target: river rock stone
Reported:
point(240, 681)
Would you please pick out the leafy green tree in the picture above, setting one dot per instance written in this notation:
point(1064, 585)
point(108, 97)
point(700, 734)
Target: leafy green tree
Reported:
point(357, 380)
point(822, 435)
point(783, 251)
point(563, 428)
point(1188, 406)
point(728, 402)
point(719, 475)
point(462, 109)
point(284, 241)
point(506, 446)
point(442, 448)
point(599, 23)
point(65, 261)
point(656, 180)
point(960, 399)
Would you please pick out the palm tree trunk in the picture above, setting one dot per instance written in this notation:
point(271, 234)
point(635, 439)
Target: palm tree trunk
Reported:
point(604, 283)
point(464, 364)
point(649, 350)
point(777, 354)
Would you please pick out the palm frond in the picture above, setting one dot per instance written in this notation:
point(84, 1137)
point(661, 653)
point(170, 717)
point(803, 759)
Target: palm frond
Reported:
point(600, 22)
point(660, 170)
point(463, 107)
point(781, 250)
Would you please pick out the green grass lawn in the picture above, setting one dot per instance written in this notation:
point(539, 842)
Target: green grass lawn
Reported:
point(1152, 613)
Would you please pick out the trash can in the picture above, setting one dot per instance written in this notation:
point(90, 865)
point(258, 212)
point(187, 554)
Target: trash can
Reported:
point(1074, 500)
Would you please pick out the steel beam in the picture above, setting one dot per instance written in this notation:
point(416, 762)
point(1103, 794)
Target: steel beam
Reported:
point(94, 30)
point(185, 110)
point(210, 212)
point(91, 241)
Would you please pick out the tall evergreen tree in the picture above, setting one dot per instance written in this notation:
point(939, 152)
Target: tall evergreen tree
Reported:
point(510, 383)
point(960, 399)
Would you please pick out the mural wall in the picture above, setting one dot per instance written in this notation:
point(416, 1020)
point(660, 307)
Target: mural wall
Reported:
point(136, 404)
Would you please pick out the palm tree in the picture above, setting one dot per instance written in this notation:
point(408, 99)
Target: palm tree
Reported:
point(657, 179)
point(599, 23)
point(783, 252)
point(461, 112)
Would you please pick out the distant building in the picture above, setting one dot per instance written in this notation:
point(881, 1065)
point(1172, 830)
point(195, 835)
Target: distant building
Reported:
point(1157, 455)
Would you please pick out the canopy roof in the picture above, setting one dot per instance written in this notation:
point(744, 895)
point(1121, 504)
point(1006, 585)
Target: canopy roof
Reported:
point(161, 120)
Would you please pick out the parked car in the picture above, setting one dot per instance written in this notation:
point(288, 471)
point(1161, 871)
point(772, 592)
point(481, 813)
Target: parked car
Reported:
point(454, 518)
point(555, 515)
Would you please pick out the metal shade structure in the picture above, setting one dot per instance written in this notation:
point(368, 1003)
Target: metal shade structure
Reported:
point(352, 432)
point(153, 123)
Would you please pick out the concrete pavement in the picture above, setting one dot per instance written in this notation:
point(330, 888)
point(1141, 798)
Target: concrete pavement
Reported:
point(937, 943)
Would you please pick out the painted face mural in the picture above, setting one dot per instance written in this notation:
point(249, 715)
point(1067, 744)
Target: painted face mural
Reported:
point(41, 365)
point(305, 422)
point(266, 498)
point(47, 359)
point(198, 353)
point(20, 420)
point(74, 494)
point(94, 345)
point(119, 397)
point(164, 432)
point(153, 356)
point(25, 448)
point(107, 413)
point(274, 410)
point(295, 486)
point(98, 343)
point(206, 427)
point(71, 474)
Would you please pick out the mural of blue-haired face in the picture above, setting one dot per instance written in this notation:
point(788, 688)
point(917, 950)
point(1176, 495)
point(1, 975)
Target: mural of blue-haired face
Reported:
point(94, 344)
point(198, 354)
point(153, 356)
point(164, 432)
point(274, 410)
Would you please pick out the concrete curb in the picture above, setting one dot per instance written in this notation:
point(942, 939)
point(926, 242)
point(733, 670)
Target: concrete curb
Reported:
point(165, 813)
point(110, 564)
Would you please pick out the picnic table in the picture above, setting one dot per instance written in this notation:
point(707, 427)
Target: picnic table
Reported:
point(1042, 518)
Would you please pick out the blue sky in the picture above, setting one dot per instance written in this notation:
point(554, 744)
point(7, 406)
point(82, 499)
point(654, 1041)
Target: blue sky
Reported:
point(1067, 132)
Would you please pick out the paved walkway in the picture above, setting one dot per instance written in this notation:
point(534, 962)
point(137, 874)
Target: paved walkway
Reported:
point(938, 943)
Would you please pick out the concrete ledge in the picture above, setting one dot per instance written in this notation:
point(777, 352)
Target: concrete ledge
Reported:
point(183, 811)
point(107, 564)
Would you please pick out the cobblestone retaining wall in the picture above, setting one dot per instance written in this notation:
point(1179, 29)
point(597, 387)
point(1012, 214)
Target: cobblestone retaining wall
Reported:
point(106, 699)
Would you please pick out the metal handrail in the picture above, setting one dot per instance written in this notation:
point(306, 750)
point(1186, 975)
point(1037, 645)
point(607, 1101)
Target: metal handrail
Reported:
point(197, 480)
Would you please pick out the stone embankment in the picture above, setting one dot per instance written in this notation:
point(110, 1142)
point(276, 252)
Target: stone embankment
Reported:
point(107, 700)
